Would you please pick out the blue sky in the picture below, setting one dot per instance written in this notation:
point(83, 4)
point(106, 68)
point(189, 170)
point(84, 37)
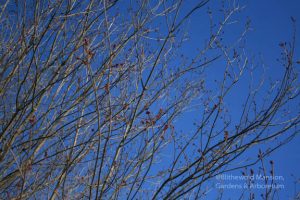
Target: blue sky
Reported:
point(271, 24)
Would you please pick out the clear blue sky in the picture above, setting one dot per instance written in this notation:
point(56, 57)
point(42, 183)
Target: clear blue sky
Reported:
point(271, 23)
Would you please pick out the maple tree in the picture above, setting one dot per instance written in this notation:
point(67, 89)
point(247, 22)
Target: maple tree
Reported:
point(91, 91)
